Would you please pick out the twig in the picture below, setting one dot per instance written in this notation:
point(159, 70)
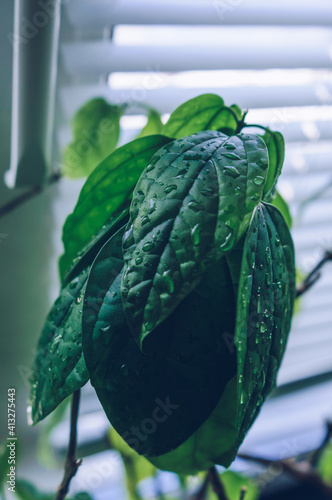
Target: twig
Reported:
point(71, 464)
point(202, 491)
point(243, 492)
point(314, 275)
point(327, 438)
point(216, 484)
point(30, 193)
point(301, 471)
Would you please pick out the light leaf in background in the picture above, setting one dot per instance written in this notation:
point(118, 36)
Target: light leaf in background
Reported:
point(281, 204)
point(154, 124)
point(45, 450)
point(205, 112)
point(59, 367)
point(136, 466)
point(324, 467)
point(233, 482)
point(106, 192)
point(27, 491)
point(96, 130)
point(190, 207)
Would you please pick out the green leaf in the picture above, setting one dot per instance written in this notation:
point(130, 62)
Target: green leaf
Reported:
point(190, 206)
point(154, 124)
point(264, 310)
point(27, 491)
point(59, 368)
point(233, 482)
point(107, 192)
point(279, 202)
point(324, 467)
point(96, 130)
point(185, 369)
point(89, 252)
point(205, 112)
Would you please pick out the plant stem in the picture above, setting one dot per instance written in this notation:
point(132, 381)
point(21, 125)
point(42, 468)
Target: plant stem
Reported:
point(243, 493)
point(71, 464)
point(30, 193)
point(314, 275)
point(216, 484)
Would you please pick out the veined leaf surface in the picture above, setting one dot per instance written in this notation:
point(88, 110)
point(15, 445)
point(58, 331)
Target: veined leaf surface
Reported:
point(205, 112)
point(191, 206)
point(107, 191)
point(187, 363)
point(59, 367)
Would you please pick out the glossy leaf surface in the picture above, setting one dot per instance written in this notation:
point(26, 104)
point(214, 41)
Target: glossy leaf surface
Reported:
point(205, 112)
point(264, 309)
point(190, 206)
point(107, 191)
point(59, 368)
point(176, 384)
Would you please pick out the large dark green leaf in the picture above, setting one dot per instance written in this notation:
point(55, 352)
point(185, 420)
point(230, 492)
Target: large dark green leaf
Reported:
point(190, 206)
point(205, 112)
point(96, 130)
point(59, 368)
point(187, 363)
point(264, 310)
point(107, 191)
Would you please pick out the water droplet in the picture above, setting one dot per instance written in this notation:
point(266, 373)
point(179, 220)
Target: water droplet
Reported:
point(259, 180)
point(150, 167)
point(152, 207)
point(263, 328)
point(138, 260)
point(207, 192)
point(228, 241)
point(168, 281)
point(124, 370)
point(237, 191)
point(147, 246)
point(145, 220)
point(232, 171)
point(73, 283)
point(195, 206)
point(195, 234)
point(231, 156)
point(105, 329)
point(229, 146)
point(78, 299)
point(170, 188)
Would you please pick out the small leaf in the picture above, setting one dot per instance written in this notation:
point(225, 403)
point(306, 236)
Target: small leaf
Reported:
point(184, 371)
point(325, 465)
point(153, 126)
point(279, 202)
point(205, 112)
point(96, 130)
point(190, 206)
point(59, 368)
point(233, 482)
point(107, 191)
point(264, 310)
point(276, 147)
point(89, 252)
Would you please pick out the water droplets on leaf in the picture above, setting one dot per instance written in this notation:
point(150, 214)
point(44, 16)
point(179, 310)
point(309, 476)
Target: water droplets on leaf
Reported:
point(168, 281)
point(195, 206)
point(170, 188)
point(230, 146)
point(231, 156)
point(232, 171)
point(195, 234)
point(263, 328)
point(145, 220)
point(258, 180)
point(148, 246)
point(138, 260)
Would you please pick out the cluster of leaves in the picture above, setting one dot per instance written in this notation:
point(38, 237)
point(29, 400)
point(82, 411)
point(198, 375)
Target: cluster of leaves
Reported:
point(179, 307)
